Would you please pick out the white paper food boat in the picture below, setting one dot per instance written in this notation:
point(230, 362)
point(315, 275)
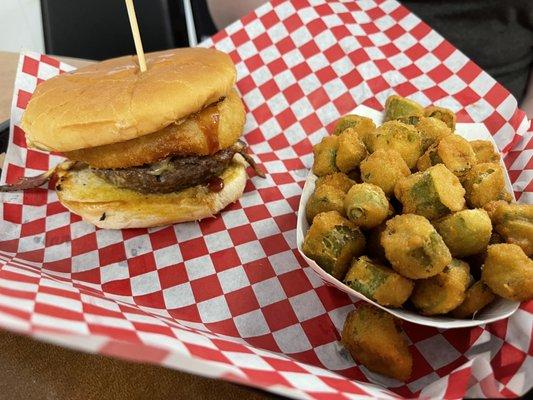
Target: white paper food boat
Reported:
point(499, 309)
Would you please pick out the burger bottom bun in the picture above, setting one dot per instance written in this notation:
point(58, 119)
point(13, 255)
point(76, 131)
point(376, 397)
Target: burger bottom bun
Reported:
point(110, 207)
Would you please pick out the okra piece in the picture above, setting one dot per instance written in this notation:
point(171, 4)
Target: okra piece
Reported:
point(445, 115)
point(443, 292)
point(432, 193)
point(466, 232)
point(477, 297)
point(384, 168)
point(325, 154)
point(485, 183)
point(366, 205)
point(454, 151)
point(332, 241)
point(324, 198)
point(432, 130)
point(413, 247)
point(351, 151)
point(403, 138)
point(378, 282)
point(363, 126)
point(485, 152)
point(508, 272)
point(337, 180)
point(514, 222)
point(399, 107)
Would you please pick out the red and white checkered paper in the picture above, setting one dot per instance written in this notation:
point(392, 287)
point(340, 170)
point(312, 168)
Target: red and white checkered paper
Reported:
point(230, 297)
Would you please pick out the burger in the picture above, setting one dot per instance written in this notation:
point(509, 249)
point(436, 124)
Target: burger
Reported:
point(145, 148)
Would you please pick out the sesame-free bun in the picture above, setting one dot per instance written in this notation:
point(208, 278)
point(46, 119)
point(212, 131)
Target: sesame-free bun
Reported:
point(112, 101)
point(111, 207)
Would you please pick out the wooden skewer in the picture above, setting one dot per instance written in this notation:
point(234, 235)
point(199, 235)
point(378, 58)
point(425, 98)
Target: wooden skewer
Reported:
point(136, 35)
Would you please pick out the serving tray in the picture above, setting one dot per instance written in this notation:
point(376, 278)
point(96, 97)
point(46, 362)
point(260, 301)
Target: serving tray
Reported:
point(497, 310)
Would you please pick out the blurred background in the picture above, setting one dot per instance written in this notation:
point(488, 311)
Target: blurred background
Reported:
point(497, 35)
point(99, 29)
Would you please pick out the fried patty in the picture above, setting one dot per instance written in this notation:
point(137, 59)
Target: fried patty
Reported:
point(171, 174)
point(214, 128)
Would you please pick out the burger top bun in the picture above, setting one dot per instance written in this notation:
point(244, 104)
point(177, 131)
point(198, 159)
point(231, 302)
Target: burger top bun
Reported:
point(113, 101)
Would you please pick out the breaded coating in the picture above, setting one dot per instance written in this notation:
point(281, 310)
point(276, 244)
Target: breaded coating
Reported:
point(332, 241)
point(384, 168)
point(374, 339)
point(445, 115)
point(453, 151)
point(324, 198)
point(325, 154)
point(432, 193)
point(485, 183)
point(465, 232)
point(477, 297)
point(514, 222)
point(337, 180)
point(403, 138)
point(366, 205)
point(413, 247)
point(508, 272)
point(351, 150)
point(364, 126)
point(399, 107)
point(183, 138)
point(485, 151)
point(378, 282)
point(432, 130)
point(443, 292)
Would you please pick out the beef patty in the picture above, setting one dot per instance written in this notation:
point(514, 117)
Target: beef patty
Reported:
point(172, 173)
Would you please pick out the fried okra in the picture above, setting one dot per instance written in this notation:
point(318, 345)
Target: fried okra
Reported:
point(351, 150)
point(432, 193)
point(485, 152)
point(484, 183)
point(410, 120)
point(403, 138)
point(366, 205)
point(337, 180)
point(443, 292)
point(432, 131)
point(363, 126)
point(378, 282)
point(332, 241)
point(508, 272)
point(465, 232)
point(324, 198)
point(374, 339)
point(514, 222)
point(399, 107)
point(413, 247)
point(477, 297)
point(453, 151)
point(476, 261)
point(445, 115)
point(384, 168)
point(325, 154)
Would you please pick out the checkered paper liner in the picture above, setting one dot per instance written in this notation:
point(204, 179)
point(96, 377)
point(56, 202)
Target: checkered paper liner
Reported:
point(231, 297)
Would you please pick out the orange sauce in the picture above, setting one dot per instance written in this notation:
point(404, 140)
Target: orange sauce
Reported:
point(208, 122)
